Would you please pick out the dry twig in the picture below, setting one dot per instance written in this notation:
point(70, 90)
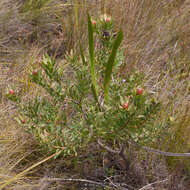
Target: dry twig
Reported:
point(86, 181)
point(158, 151)
point(151, 184)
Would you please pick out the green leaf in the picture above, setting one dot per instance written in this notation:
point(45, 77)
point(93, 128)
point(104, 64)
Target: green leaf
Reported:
point(91, 53)
point(110, 64)
point(82, 54)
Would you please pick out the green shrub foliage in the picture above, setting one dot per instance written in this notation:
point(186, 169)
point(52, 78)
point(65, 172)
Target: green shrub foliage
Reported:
point(85, 100)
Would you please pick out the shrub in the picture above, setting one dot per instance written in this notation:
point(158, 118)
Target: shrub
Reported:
point(85, 102)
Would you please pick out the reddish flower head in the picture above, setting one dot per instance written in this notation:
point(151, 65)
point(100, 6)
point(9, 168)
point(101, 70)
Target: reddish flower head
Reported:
point(93, 22)
point(108, 19)
point(34, 72)
point(11, 92)
point(125, 105)
point(22, 121)
point(139, 91)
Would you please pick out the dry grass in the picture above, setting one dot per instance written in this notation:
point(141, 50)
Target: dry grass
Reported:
point(157, 36)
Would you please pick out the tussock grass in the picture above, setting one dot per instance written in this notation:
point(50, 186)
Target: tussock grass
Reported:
point(156, 41)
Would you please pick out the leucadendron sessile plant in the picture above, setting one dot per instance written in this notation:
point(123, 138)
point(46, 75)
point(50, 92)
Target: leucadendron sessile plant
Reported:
point(85, 100)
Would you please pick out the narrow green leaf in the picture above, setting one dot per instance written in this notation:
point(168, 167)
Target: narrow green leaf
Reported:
point(91, 53)
point(110, 64)
point(82, 54)
point(94, 93)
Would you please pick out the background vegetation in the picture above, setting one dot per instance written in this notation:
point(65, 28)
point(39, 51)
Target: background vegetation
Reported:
point(156, 43)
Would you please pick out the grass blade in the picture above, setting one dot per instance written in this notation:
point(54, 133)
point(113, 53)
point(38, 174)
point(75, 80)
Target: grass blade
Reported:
point(82, 54)
point(91, 53)
point(13, 179)
point(110, 64)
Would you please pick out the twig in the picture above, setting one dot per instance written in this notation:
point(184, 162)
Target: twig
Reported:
point(77, 180)
point(123, 155)
point(87, 181)
point(158, 151)
point(116, 185)
point(120, 152)
point(119, 184)
point(149, 185)
point(108, 148)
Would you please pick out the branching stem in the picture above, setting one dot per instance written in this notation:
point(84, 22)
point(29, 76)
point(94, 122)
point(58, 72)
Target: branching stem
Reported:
point(158, 151)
